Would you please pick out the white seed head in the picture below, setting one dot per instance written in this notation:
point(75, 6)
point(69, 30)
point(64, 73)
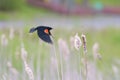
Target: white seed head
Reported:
point(95, 48)
point(77, 42)
point(63, 47)
point(9, 64)
point(29, 71)
point(96, 53)
point(12, 69)
point(115, 69)
point(27, 68)
point(4, 76)
point(4, 40)
point(23, 54)
point(11, 34)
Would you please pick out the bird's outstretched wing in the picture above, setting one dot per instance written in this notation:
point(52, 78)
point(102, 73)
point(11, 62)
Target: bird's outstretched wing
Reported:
point(45, 37)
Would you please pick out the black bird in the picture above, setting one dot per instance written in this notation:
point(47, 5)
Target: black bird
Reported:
point(43, 33)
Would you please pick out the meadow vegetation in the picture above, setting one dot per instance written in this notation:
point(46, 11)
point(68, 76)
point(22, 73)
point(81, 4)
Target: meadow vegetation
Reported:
point(23, 56)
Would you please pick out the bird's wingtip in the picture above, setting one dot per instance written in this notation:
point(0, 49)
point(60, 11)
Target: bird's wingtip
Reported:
point(32, 30)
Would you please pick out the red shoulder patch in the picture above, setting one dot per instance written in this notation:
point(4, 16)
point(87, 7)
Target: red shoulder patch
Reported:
point(46, 31)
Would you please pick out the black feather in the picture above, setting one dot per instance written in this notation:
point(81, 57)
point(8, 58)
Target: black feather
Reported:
point(32, 30)
point(42, 35)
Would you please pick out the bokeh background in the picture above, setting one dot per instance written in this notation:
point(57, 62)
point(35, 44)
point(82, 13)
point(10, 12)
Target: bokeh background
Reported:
point(23, 56)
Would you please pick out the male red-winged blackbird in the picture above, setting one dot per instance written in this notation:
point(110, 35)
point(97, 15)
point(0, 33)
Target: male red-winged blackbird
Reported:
point(43, 33)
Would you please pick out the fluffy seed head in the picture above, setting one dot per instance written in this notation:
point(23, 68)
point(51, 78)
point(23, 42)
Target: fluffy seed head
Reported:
point(28, 71)
point(4, 40)
point(115, 69)
point(95, 48)
point(27, 68)
point(63, 47)
point(96, 53)
point(12, 69)
point(11, 34)
point(23, 54)
point(77, 42)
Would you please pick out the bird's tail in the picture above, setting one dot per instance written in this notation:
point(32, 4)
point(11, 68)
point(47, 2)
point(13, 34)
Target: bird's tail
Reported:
point(32, 30)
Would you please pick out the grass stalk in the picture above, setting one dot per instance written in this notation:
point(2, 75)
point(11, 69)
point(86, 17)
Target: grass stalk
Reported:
point(80, 67)
point(85, 55)
point(55, 54)
point(61, 66)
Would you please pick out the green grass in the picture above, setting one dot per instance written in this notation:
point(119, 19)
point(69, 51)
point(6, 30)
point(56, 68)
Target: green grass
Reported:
point(108, 39)
point(25, 13)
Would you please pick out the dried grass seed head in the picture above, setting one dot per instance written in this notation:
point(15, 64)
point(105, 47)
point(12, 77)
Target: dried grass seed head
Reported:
point(115, 69)
point(11, 34)
point(95, 48)
point(63, 47)
point(77, 42)
point(23, 54)
point(12, 69)
point(84, 43)
point(96, 53)
point(4, 40)
point(29, 71)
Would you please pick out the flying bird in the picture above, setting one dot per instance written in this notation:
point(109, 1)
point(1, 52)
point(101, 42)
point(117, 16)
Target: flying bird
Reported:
point(43, 33)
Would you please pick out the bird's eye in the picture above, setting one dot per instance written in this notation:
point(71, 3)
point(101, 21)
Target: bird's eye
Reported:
point(46, 31)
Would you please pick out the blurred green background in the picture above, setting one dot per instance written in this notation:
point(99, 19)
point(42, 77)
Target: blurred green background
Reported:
point(29, 8)
point(99, 20)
